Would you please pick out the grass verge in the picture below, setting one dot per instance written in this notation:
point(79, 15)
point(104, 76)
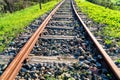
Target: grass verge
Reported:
point(12, 24)
point(104, 16)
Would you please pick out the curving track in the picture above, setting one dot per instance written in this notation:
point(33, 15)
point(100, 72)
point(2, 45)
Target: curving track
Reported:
point(62, 47)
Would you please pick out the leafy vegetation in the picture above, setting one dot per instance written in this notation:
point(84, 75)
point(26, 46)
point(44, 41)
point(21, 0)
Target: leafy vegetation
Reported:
point(112, 4)
point(12, 24)
point(118, 60)
point(104, 16)
point(106, 3)
point(117, 4)
point(15, 5)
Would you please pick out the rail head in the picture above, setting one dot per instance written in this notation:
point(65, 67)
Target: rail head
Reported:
point(109, 61)
point(14, 67)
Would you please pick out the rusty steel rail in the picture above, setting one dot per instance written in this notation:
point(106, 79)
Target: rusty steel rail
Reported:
point(14, 67)
point(107, 58)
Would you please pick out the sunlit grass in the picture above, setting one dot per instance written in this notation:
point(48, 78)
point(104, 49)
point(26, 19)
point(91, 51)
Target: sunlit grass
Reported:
point(118, 60)
point(12, 24)
point(104, 16)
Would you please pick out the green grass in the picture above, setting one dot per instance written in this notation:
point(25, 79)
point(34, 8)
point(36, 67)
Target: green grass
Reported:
point(118, 61)
point(104, 16)
point(12, 24)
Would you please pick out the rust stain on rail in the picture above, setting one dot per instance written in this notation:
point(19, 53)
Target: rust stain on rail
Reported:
point(14, 67)
point(109, 61)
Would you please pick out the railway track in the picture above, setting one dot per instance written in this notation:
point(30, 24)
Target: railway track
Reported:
point(62, 48)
